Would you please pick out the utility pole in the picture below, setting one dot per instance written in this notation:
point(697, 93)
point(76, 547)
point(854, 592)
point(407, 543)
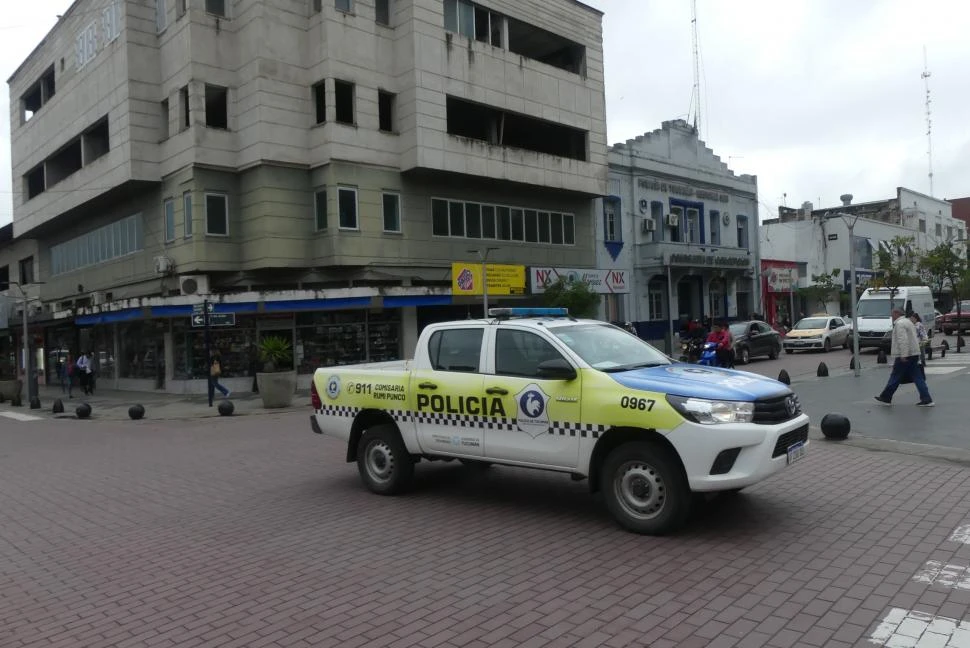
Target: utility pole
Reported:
point(856, 362)
point(929, 122)
point(208, 349)
point(483, 256)
point(30, 378)
point(697, 72)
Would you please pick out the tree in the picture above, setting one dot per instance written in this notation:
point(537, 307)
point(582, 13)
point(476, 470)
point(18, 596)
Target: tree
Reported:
point(574, 295)
point(945, 266)
point(823, 287)
point(898, 263)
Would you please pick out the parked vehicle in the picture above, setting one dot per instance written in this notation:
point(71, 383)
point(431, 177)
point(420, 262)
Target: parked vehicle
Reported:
point(535, 388)
point(754, 338)
point(818, 332)
point(938, 324)
point(950, 323)
point(875, 307)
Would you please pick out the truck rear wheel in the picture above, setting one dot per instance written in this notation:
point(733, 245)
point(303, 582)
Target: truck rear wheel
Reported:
point(385, 465)
point(645, 488)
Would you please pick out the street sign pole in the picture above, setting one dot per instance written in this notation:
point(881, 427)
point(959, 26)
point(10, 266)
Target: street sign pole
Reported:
point(208, 350)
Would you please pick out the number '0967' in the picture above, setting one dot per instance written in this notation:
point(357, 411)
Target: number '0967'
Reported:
point(642, 404)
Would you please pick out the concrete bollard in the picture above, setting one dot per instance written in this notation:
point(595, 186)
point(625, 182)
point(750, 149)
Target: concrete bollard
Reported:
point(35, 403)
point(226, 408)
point(823, 370)
point(881, 358)
point(135, 412)
point(960, 343)
point(83, 411)
point(852, 363)
point(835, 426)
point(783, 377)
point(58, 407)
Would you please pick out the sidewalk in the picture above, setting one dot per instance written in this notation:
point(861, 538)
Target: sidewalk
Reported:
point(944, 425)
point(112, 405)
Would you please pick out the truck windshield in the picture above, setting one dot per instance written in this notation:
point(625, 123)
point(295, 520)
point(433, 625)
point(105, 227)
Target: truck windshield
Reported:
point(607, 348)
point(877, 307)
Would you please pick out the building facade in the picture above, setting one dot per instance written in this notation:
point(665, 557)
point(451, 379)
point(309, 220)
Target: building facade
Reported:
point(816, 241)
point(311, 167)
point(681, 225)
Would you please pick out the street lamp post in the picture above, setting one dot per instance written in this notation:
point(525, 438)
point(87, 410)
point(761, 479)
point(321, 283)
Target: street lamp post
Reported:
point(856, 362)
point(483, 256)
point(29, 377)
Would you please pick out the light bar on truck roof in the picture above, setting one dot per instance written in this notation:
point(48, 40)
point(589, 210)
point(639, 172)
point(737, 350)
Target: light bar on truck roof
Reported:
point(504, 313)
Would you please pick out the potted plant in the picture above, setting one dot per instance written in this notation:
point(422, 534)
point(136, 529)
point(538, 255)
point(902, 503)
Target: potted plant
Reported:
point(277, 380)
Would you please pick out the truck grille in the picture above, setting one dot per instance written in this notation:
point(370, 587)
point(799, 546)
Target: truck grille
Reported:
point(788, 439)
point(777, 410)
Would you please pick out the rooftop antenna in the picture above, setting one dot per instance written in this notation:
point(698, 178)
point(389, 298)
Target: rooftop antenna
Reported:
point(929, 122)
point(697, 70)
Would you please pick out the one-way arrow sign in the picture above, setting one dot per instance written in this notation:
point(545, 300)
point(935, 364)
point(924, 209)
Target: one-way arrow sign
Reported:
point(215, 319)
point(200, 308)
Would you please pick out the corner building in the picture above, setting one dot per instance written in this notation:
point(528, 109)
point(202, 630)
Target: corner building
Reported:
point(311, 166)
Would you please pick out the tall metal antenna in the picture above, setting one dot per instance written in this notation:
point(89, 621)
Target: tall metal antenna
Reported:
point(697, 70)
point(929, 122)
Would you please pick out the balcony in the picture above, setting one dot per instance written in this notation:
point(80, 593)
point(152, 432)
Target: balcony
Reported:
point(693, 255)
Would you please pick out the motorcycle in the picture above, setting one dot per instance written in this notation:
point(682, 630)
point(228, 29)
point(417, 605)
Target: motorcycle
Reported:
point(696, 351)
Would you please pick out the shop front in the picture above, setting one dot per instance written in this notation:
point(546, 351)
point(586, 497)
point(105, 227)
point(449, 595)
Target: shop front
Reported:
point(779, 286)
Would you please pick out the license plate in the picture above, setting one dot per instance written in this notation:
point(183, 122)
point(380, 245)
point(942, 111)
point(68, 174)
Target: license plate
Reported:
point(796, 452)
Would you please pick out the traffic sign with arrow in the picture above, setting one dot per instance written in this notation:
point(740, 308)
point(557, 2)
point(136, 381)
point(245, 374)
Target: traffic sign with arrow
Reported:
point(215, 319)
point(200, 308)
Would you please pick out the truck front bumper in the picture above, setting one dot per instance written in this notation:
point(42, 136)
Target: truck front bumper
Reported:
point(758, 451)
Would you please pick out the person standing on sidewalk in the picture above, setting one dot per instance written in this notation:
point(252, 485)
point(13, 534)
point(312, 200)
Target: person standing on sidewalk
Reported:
point(84, 371)
point(905, 350)
point(215, 370)
point(67, 378)
point(920, 336)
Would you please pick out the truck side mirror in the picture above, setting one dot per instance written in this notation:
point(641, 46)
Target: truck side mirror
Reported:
point(557, 369)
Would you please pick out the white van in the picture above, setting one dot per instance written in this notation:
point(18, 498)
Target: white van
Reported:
point(875, 307)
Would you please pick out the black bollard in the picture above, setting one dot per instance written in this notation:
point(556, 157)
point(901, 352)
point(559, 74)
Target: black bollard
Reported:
point(835, 426)
point(2, 397)
point(83, 411)
point(136, 412)
point(58, 407)
point(960, 343)
point(35, 403)
point(16, 402)
point(852, 363)
point(783, 377)
point(823, 370)
point(226, 408)
point(881, 358)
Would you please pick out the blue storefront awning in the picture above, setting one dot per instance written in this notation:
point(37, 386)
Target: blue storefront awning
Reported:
point(417, 300)
point(316, 304)
point(110, 317)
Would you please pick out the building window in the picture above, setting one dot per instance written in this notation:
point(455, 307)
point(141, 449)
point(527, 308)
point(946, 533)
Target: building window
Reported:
point(320, 210)
point(184, 107)
point(347, 208)
point(344, 5)
point(187, 213)
point(488, 26)
point(611, 224)
point(26, 268)
point(439, 217)
point(86, 45)
point(392, 212)
point(488, 221)
point(344, 100)
point(111, 22)
point(320, 102)
point(382, 12)
point(216, 214)
point(166, 119)
point(473, 220)
point(743, 232)
point(168, 212)
point(546, 47)
point(715, 222)
point(216, 7)
point(675, 224)
point(216, 107)
point(656, 300)
point(316, 5)
point(456, 218)
point(160, 15)
point(949, 233)
point(460, 17)
point(38, 95)
point(86, 250)
point(495, 222)
point(4, 277)
point(717, 301)
point(939, 230)
point(531, 226)
point(181, 7)
point(693, 226)
point(385, 111)
point(922, 225)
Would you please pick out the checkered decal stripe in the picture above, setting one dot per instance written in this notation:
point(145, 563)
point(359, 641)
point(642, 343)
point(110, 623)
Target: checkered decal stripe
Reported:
point(566, 428)
point(338, 410)
point(462, 420)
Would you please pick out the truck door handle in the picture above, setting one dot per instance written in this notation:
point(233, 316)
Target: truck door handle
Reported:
point(497, 390)
point(428, 385)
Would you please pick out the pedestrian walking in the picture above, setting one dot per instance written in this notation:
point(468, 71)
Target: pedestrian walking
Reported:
point(906, 367)
point(215, 370)
point(69, 369)
point(921, 337)
point(84, 372)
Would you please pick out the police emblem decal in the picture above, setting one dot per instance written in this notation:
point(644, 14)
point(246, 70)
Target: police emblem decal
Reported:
point(532, 417)
point(333, 386)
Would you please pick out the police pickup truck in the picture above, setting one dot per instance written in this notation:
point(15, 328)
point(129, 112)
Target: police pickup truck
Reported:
point(539, 389)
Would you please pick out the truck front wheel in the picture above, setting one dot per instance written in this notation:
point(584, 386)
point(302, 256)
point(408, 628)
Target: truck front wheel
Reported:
point(645, 488)
point(385, 465)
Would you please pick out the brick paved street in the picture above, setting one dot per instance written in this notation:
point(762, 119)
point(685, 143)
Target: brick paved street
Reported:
point(253, 532)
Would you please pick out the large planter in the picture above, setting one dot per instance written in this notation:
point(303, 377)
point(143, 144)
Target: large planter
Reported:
point(277, 388)
point(10, 388)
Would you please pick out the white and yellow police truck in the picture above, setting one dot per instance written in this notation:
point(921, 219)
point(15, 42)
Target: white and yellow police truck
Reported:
point(539, 389)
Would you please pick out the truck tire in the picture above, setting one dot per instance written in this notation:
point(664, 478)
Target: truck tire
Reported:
point(645, 489)
point(383, 461)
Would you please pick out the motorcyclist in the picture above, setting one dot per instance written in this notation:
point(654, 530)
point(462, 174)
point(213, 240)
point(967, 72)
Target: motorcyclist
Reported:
point(720, 336)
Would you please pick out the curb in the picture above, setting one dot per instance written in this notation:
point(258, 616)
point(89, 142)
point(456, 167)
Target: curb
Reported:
point(936, 453)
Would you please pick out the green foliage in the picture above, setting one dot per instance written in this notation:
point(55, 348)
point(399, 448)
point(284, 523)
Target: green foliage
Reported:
point(574, 295)
point(824, 288)
point(945, 265)
point(899, 264)
point(276, 353)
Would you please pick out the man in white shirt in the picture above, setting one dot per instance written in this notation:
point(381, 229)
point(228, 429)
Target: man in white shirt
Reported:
point(905, 350)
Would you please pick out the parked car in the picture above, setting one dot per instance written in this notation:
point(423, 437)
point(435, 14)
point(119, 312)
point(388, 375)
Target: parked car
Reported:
point(754, 338)
point(818, 332)
point(950, 324)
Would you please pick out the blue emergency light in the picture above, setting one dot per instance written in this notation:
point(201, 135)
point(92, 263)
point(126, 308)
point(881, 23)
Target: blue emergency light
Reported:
point(528, 312)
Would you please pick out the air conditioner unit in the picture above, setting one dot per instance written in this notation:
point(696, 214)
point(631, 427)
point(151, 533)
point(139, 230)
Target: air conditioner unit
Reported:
point(648, 225)
point(97, 299)
point(194, 284)
point(162, 265)
point(673, 220)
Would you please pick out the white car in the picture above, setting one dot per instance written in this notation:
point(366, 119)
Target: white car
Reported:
point(818, 332)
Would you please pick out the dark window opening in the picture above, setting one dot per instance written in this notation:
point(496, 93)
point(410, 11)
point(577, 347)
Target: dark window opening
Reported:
point(26, 267)
point(63, 163)
point(439, 217)
point(488, 221)
point(320, 102)
point(166, 119)
point(488, 26)
point(317, 6)
point(38, 94)
point(382, 15)
point(504, 223)
point(385, 111)
point(343, 5)
point(216, 7)
point(184, 105)
point(180, 8)
point(35, 181)
point(502, 128)
point(344, 100)
point(557, 229)
point(95, 141)
point(456, 213)
point(216, 107)
point(531, 227)
point(544, 46)
point(4, 277)
point(320, 210)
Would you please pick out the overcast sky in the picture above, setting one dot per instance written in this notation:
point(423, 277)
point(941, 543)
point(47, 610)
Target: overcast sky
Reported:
point(815, 97)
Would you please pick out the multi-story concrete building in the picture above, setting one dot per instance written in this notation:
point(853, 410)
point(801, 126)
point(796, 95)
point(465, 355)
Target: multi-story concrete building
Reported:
point(18, 268)
point(807, 242)
point(314, 166)
point(681, 225)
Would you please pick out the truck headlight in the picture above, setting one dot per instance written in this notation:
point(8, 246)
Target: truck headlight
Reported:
point(712, 412)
